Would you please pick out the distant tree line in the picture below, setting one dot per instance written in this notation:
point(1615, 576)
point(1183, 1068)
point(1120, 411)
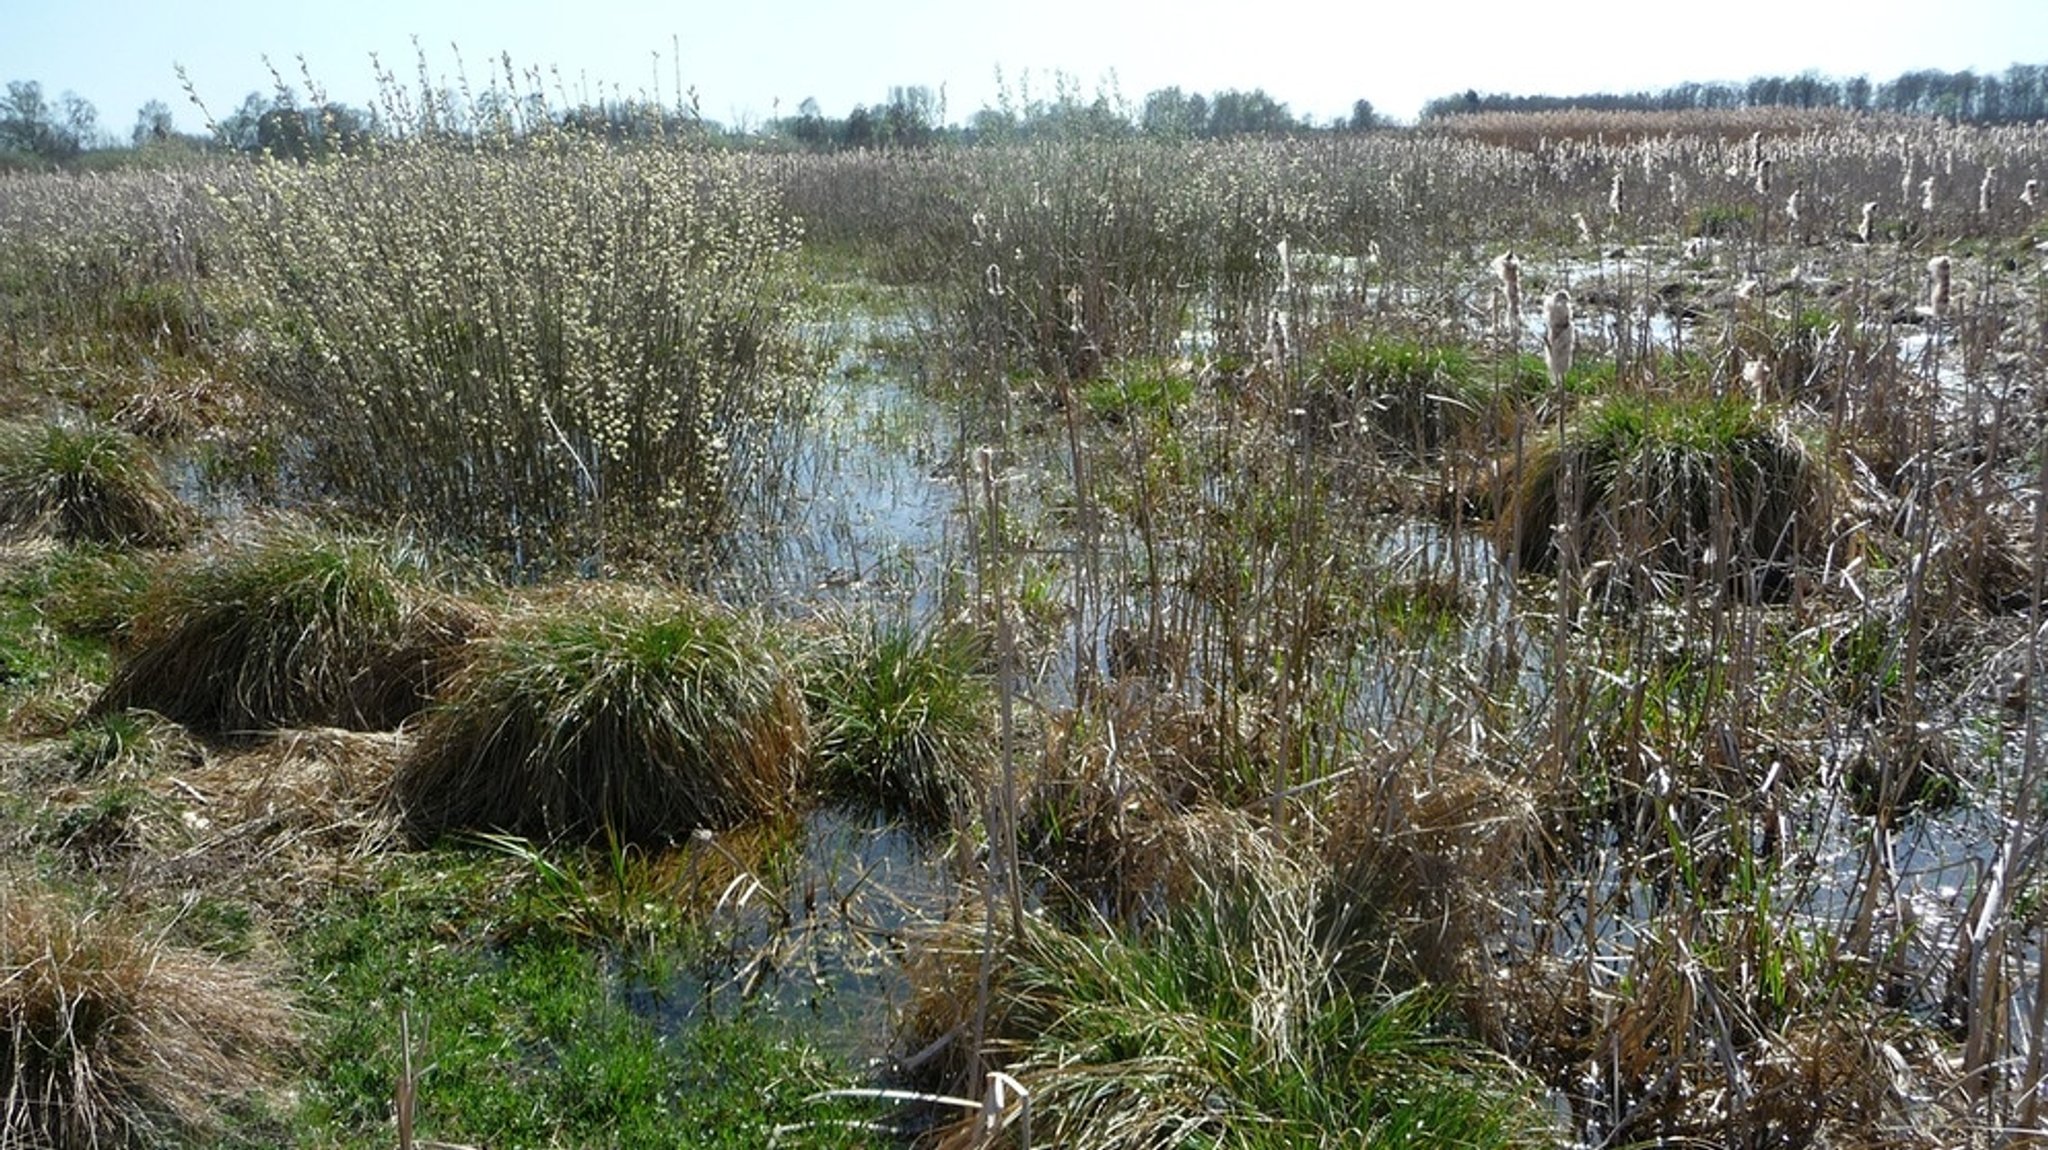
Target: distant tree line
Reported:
point(2019, 94)
point(913, 117)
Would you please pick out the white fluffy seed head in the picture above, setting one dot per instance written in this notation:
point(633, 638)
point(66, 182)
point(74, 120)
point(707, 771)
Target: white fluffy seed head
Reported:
point(1557, 336)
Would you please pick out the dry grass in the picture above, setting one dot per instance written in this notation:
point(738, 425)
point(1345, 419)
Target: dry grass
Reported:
point(111, 1038)
point(1620, 128)
point(282, 820)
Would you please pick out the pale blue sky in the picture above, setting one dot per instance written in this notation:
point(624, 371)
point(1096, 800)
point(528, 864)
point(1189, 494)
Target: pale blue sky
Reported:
point(745, 57)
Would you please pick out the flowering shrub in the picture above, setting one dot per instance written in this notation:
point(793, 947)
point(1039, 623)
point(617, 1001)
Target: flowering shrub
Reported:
point(559, 352)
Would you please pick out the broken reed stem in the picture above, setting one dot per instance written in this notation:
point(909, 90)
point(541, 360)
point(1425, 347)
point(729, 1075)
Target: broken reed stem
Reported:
point(1003, 827)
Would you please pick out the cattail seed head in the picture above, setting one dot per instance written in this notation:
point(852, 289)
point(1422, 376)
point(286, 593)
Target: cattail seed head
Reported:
point(1863, 229)
point(1756, 379)
point(1792, 207)
point(1509, 269)
point(1938, 295)
point(1557, 336)
point(2029, 192)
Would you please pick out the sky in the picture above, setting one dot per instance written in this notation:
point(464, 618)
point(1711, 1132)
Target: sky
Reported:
point(750, 60)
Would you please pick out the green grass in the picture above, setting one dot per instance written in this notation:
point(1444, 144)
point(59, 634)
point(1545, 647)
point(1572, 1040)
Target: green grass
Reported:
point(1241, 1021)
point(1149, 388)
point(905, 721)
point(52, 656)
point(523, 1035)
point(607, 711)
point(1719, 221)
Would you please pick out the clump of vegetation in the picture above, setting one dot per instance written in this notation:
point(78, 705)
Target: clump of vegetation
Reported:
point(1253, 1016)
point(608, 712)
point(85, 484)
point(108, 1037)
point(904, 721)
point(1673, 486)
point(1415, 396)
point(123, 740)
point(300, 627)
point(1150, 389)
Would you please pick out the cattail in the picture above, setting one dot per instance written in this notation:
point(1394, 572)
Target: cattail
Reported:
point(1927, 194)
point(2028, 191)
point(1509, 269)
point(1557, 336)
point(1585, 229)
point(1938, 296)
point(1677, 190)
point(1763, 177)
point(1614, 195)
point(1984, 191)
point(1756, 379)
point(1792, 207)
point(1863, 229)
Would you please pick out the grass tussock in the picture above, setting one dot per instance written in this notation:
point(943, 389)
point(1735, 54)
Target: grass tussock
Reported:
point(86, 484)
point(610, 711)
point(1244, 1019)
point(905, 721)
point(1436, 848)
point(111, 1038)
point(1413, 396)
point(301, 627)
point(1674, 487)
